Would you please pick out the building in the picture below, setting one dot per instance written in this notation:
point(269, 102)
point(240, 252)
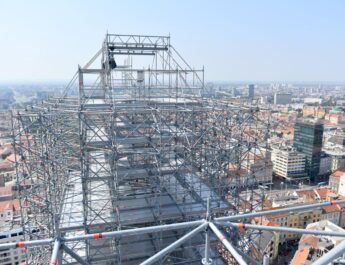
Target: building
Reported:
point(9, 210)
point(313, 101)
point(342, 217)
point(11, 256)
point(325, 164)
point(251, 91)
point(295, 220)
point(337, 158)
point(337, 181)
point(259, 167)
point(288, 163)
point(314, 112)
point(337, 140)
point(312, 247)
point(234, 92)
point(331, 213)
point(269, 242)
point(10, 231)
point(338, 161)
point(282, 98)
point(263, 99)
point(337, 118)
point(308, 140)
point(6, 193)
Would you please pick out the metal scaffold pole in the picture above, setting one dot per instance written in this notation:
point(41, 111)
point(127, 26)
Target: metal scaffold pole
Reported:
point(227, 244)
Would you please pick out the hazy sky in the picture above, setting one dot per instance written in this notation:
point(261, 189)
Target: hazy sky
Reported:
point(258, 40)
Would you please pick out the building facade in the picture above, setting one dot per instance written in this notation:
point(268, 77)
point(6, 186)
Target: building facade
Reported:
point(308, 140)
point(331, 213)
point(12, 256)
point(282, 98)
point(337, 181)
point(295, 220)
point(288, 163)
point(251, 91)
point(325, 164)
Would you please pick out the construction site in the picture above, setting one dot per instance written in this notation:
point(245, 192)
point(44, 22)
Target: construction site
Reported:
point(133, 165)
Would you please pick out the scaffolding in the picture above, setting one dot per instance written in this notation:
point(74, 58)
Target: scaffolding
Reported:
point(133, 146)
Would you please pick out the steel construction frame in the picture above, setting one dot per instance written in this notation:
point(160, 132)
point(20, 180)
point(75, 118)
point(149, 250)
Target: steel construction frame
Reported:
point(201, 225)
point(136, 140)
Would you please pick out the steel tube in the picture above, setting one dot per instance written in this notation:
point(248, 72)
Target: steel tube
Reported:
point(174, 245)
point(54, 259)
point(26, 243)
point(227, 244)
point(282, 210)
point(284, 229)
point(336, 252)
point(137, 231)
point(74, 255)
point(207, 260)
point(250, 259)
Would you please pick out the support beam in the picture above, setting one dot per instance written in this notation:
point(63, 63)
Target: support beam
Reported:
point(54, 256)
point(174, 245)
point(207, 260)
point(31, 243)
point(281, 229)
point(282, 210)
point(74, 255)
point(135, 231)
point(227, 244)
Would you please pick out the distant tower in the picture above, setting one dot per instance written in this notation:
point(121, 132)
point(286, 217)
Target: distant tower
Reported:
point(251, 91)
point(308, 140)
point(234, 92)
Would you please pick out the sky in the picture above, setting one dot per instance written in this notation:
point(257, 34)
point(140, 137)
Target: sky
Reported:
point(243, 40)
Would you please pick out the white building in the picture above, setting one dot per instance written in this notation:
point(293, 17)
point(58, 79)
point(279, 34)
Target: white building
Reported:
point(313, 100)
point(9, 210)
point(326, 225)
point(12, 256)
point(337, 181)
point(9, 218)
point(288, 163)
point(282, 98)
point(312, 247)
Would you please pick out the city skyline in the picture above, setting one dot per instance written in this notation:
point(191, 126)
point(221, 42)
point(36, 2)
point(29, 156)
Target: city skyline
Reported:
point(250, 41)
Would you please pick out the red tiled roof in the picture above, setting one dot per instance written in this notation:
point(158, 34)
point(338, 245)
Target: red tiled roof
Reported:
point(12, 158)
point(323, 192)
point(300, 257)
point(331, 208)
point(6, 165)
point(339, 172)
point(10, 204)
point(309, 241)
point(307, 194)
